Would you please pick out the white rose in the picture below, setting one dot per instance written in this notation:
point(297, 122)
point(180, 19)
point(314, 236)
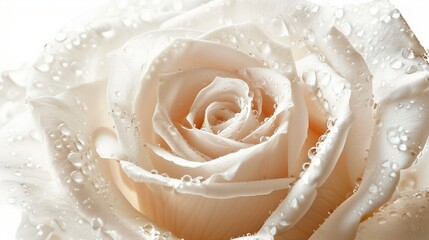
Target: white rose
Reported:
point(222, 119)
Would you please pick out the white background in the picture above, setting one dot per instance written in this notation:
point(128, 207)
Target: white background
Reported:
point(26, 25)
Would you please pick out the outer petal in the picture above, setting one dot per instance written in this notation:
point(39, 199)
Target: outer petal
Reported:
point(405, 218)
point(77, 57)
point(399, 135)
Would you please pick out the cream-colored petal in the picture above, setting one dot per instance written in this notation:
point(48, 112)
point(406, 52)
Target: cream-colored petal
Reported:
point(192, 209)
point(405, 218)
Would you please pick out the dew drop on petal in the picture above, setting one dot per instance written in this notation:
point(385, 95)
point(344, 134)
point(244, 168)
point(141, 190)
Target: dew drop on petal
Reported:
point(263, 139)
point(393, 213)
point(186, 178)
point(97, 224)
point(312, 152)
point(283, 223)
point(402, 147)
point(309, 35)
point(64, 129)
point(373, 189)
point(148, 228)
point(263, 47)
point(408, 54)
point(273, 230)
point(61, 36)
point(406, 216)
point(293, 203)
point(411, 69)
point(381, 220)
point(75, 158)
point(76, 176)
point(309, 77)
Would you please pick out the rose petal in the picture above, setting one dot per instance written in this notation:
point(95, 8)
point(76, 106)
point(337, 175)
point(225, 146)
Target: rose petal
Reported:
point(195, 211)
point(380, 179)
point(405, 218)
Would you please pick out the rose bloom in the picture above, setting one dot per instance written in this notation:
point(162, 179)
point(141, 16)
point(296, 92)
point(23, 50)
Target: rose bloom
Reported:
point(221, 119)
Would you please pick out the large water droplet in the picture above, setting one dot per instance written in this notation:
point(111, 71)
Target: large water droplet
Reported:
point(411, 69)
point(64, 129)
point(408, 54)
point(75, 158)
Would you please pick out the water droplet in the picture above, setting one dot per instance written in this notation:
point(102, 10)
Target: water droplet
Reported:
point(408, 54)
point(381, 220)
point(305, 166)
point(393, 213)
point(42, 67)
point(77, 176)
point(104, 29)
point(312, 152)
point(360, 33)
point(149, 228)
point(411, 69)
point(406, 216)
point(396, 64)
point(293, 203)
point(393, 136)
point(273, 230)
point(263, 47)
point(402, 147)
point(263, 139)
point(64, 129)
point(61, 36)
point(309, 35)
point(283, 223)
point(97, 224)
point(373, 189)
point(75, 158)
point(186, 178)
point(309, 77)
